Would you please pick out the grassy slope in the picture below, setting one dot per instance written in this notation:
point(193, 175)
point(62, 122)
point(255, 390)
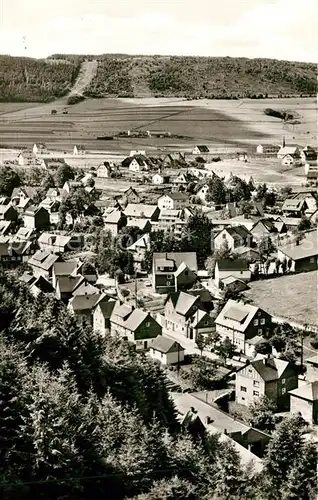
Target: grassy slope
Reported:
point(221, 77)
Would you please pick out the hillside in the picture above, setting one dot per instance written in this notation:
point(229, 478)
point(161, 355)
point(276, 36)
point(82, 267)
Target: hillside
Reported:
point(25, 79)
point(120, 75)
point(221, 77)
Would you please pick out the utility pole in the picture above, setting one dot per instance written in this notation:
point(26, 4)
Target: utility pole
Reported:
point(136, 289)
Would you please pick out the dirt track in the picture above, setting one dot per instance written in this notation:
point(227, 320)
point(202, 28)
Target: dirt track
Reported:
point(86, 74)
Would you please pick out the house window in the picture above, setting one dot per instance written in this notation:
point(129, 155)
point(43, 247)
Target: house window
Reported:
point(255, 322)
point(283, 381)
point(284, 390)
point(312, 260)
point(224, 236)
point(260, 331)
point(148, 324)
point(241, 272)
point(263, 321)
point(250, 370)
point(206, 323)
point(255, 393)
point(168, 283)
point(256, 383)
point(169, 276)
point(242, 398)
point(186, 273)
point(243, 389)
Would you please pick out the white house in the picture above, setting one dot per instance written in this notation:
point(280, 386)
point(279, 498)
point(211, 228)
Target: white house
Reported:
point(259, 149)
point(288, 150)
point(104, 170)
point(172, 201)
point(159, 178)
point(202, 192)
point(166, 350)
point(137, 164)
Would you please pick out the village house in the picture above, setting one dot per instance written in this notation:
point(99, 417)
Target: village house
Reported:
point(166, 350)
point(294, 207)
point(226, 268)
point(41, 285)
point(201, 191)
point(8, 213)
point(52, 206)
point(134, 325)
point(104, 170)
point(55, 194)
point(66, 286)
point(172, 201)
point(301, 255)
point(101, 317)
point(267, 149)
point(311, 199)
point(42, 263)
point(141, 211)
point(267, 228)
point(304, 400)
point(184, 178)
point(248, 442)
point(60, 243)
point(160, 178)
point(172, 271)
point(185, 315)
point(291, 151)
point(82, 305)
point(232, 284)
point(199, 150)
point(308, 155)
point(236, 236)
point(36, 217)
point(128, 196)
point(67, 268)
point(270, 377)
point(78, 149)
point(144, 225)
point(136, 164)
point(138, 250)
point(241, 322)
point(114, 221)
point(69, 186)
point(9, 259)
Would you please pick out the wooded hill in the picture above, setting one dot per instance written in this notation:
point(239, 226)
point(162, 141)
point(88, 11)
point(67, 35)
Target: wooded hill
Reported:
point(199, 77)
point(120, 75)
point(23, 79)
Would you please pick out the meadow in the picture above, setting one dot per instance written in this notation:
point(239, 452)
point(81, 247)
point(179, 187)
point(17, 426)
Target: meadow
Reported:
point(229, 124)
point(292, 297)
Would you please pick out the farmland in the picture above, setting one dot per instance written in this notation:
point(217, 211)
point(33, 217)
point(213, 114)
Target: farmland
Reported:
point(291, 297)
point(220, 124)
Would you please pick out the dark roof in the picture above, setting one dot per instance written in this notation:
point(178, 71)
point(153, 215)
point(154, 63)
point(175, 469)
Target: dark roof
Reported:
point(203, 148)
point(177, 258)
point(176, 196)
point(165, 345)
point(43, 285)
point(238, 231)
point(232, 265)
point(107, 308)
point(270, 369)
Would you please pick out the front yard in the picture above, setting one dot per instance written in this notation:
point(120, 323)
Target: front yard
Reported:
point(292, 297)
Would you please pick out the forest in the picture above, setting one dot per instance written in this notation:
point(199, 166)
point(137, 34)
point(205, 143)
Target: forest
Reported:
point(201, 77)
point(85, 417)
point(24, 79)
point(120, 75)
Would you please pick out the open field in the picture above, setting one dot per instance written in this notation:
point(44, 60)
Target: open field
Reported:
point(291, 297)
point(227, 125)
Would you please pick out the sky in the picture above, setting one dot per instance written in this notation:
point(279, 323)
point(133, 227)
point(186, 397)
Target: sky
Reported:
point(280, 29)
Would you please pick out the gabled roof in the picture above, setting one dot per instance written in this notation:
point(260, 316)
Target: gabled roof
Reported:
point(176, 196)
point(54, 239)
point(43, 259)
point(33, 210)
point(135, 319)
point(308, 391)
point(143, 242)
point(232, 265)
point(142, 224)
point(197, 317)
point(4, 226)
point(65, 268)
point(180, 269)
point(236, 315)
point(235, 231)
point(177, 258)
point(29, 191)
point(27, 278)
point(307, 247)
point(288, 150)
point(67, 284)
point(165, 344)
point(203, 148)
point(106, 308)
point(170, 213)
point(270, 369)
point(42, 284)
point(84, 302)
point(140, 210)
point(293, 204)
point(86, 289)
point(114, 217)
point(183, 302)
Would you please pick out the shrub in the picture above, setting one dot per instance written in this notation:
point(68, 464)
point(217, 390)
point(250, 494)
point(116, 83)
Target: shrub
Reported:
point(74, 99)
